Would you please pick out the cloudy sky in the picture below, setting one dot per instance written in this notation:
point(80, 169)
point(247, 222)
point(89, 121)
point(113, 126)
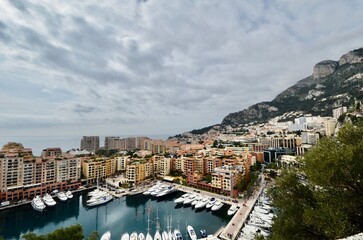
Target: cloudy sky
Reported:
point(128, 67)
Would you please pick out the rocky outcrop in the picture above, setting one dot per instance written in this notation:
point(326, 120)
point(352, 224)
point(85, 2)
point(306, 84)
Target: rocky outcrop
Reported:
point(257, 112)
point(351, 57)
point(324, 68)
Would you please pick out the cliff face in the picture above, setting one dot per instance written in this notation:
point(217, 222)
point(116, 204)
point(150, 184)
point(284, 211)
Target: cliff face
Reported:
point(332, 84)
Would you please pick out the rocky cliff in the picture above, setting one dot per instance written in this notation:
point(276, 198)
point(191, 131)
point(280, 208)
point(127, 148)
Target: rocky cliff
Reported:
point(332, 84)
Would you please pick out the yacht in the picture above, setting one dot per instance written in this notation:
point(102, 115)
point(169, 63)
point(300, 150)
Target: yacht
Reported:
point(48, 200)
point(217, 205)
point(125, 236)
point(99, 200)
point(106, 236)
point(181, 199)
point(252, 230)
point(232, 210)
point(133, 236)
point(191, 233)
point(96, 191)
point(178, 235)
point(62, 196)
point(254, 221)
point(189, 199)
point(166, 191)
point(196, 200)
point(141, 236)
point(38, 204)
point(202, 203)
point(261, 210)
point(210, 202)
point(69, 194)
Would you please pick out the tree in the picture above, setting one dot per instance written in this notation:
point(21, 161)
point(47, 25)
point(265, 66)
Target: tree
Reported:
point(74, 232)
point(329, 204)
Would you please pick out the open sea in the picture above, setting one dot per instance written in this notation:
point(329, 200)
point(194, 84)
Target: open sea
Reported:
point(127, 214)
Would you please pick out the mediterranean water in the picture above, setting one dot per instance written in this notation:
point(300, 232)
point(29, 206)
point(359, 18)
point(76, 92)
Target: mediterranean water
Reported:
point(126, 214)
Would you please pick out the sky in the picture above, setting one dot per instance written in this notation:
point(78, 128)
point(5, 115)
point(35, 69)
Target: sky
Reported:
point(128, 67)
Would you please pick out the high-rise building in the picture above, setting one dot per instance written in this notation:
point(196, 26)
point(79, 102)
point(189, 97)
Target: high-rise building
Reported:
point(90, 143)
point(113, 143)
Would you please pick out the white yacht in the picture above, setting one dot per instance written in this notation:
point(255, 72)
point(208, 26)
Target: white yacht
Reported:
point(69, 194)
point(202, 203)
point(196, 200)
point(141, 236)
point(166, 191)
point(38, 204)
point(62, 196)
point(189, 199)
point(191, 232)
point(125, 236)
point(96, 191)
point(252, 230)
point(210, 202)
point(106, 236)
point(217, 205)
point(133, 236)
point(254, 221)
point(232, 210)
point(48, 200)
point(261, 210)
point(99, 200)
point(181, 199)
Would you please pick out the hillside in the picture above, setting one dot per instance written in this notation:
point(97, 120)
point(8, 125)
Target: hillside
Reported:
point(332, 84)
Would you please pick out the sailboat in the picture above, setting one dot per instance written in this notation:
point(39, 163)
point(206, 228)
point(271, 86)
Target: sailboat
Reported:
point(157, 235)
point(148, 236)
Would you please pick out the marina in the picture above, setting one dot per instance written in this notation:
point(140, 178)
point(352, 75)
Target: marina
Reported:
point(124, 214)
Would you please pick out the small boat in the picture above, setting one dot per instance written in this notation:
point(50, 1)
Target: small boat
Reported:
point(141, 236)
point(48, 200)
point(133, 236)
point(218, 205)
point(210, 202)
point(232, 210)
point(69, 194)
point(178, 235)
point(106, 236)
point(38, 204)
point(125, 236)
point(62, 196)
point(191, 233)
point(203, 233)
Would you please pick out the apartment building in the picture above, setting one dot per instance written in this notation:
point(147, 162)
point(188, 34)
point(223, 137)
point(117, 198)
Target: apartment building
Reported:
point(114, 143)
point(90, 143)
point(51, 152)
point(97, 169)
point(23, 176)
point(121, 163)
point(211, 163)
point(138, 171)
point(165, 166)
point(224, 179)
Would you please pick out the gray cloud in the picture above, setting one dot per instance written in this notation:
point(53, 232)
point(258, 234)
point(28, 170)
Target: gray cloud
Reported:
point(164, 65)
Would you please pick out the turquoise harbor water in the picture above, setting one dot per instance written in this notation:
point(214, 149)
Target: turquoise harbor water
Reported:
point(125, 214)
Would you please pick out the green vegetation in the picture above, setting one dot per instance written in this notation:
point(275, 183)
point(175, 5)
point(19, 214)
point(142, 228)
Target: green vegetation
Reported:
point(323, 199)
point(74, 232)
point(107, 152)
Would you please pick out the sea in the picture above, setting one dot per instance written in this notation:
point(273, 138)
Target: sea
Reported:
point(38, 143)
point(126, 214)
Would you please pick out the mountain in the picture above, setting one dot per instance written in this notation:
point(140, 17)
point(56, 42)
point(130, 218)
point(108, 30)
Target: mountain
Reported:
point(332, 84)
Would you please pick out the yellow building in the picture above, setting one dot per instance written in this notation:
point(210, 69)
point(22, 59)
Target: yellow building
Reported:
point(137, 172)
point(99, 168)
